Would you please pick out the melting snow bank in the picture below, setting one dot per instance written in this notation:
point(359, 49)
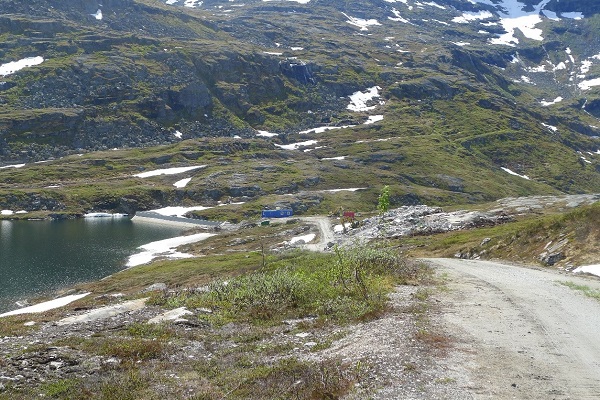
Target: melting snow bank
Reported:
point(168, 171)
point(14, 66)
point(47, 305)
point(588, 269)
point(165, 248)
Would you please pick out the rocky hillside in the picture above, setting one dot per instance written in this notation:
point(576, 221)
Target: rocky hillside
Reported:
point(447, 101)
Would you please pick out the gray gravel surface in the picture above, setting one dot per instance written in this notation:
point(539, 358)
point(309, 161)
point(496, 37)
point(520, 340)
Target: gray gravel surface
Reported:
point(522, 334)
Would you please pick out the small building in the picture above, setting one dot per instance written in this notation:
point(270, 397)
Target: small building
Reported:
point(277, 213)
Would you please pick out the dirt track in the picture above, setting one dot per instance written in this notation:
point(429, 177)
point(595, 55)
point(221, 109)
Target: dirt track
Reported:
point(521, 334)
point(325, 232)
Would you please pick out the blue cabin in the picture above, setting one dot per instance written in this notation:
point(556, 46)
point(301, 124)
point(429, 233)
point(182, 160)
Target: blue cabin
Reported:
point(277, 213)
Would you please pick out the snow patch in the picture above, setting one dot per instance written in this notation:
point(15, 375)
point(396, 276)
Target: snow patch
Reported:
point(266, 134)
point(14, 66)
point(182, 183)
point(335, 158)
point(97, 15)
point(572, 15)
point(549, 103)
point(166, 248)
point(344, 190)
point(295, 146)
point(398, 17)
point(13, 166)
point(551, 127)
point(306, 238)
point(589, 269)
point(472, 16)
point(47, 305)
point(323, 129)
point(168, 171)
point(373, 118)
point(361, 23)
point(587, 85)
point(175, 211)
point(514, 173)
point(359, 100)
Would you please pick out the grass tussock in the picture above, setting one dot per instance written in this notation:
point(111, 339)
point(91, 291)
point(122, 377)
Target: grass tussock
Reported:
point(586, 290)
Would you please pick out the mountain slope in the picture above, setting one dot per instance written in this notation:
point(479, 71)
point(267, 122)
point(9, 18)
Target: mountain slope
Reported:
point(447, 101)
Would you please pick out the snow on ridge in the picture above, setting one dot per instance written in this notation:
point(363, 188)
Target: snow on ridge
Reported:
point(361, 23)
point(14, 66)
point(514, 173)
point(359, 100)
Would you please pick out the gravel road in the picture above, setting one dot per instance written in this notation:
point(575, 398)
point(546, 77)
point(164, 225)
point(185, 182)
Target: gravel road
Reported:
point(520, 333)
point(325, 232)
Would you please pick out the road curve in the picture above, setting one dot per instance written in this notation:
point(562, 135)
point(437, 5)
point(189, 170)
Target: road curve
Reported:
point(523, 335)
point(325, 232)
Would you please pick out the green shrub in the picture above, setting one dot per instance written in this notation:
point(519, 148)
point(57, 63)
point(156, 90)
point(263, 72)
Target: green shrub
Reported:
point(351, 284)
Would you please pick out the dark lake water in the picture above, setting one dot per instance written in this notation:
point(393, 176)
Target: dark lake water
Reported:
point(37, 257)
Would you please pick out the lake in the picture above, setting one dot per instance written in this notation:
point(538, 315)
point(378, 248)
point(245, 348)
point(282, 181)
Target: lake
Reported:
point(38, 257)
